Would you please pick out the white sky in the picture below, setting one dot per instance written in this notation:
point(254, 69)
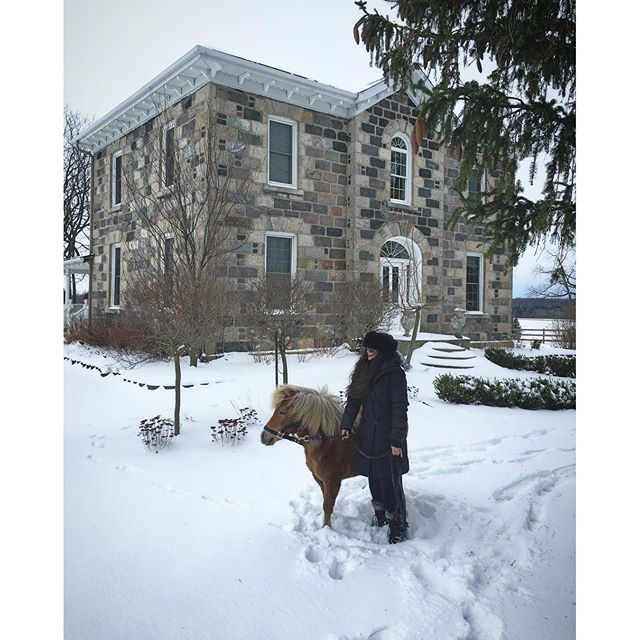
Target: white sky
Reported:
point(111, 49)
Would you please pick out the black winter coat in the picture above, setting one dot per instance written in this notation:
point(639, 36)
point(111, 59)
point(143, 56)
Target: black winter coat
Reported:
point(384, 418)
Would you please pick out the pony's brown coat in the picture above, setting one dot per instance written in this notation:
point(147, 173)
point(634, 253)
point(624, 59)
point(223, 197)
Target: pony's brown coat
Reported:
point(318, 412)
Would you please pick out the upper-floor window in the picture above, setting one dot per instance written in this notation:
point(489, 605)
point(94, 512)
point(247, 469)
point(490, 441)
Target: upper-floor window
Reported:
point(475, 187)
point(283, 145)
point(114, 294)
point(116, 179)
point(280, 265)
point(168, 154)
point(475, 282)
point(400, 169)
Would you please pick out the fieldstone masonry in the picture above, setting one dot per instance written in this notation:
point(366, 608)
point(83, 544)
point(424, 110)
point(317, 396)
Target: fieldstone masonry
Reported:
point(340, 210)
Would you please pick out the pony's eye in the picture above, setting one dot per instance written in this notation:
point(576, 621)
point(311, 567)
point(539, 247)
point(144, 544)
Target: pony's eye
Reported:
point(282, 413)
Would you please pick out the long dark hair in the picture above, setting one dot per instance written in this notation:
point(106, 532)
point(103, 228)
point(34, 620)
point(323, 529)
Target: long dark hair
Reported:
point(363, 374)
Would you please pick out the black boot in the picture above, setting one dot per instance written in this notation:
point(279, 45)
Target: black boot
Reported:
point(379, 515)
point(397, 529)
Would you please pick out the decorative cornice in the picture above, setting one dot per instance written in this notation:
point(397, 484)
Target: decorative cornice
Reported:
point(202, 65)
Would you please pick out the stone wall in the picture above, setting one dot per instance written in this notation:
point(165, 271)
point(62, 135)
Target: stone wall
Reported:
point(339, 210)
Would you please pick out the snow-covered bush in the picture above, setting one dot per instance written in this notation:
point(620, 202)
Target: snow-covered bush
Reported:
point(539, 393)
point(555, 365)
point(234, 430)
point(156, 433)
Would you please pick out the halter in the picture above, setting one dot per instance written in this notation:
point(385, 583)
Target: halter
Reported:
point(293, 437)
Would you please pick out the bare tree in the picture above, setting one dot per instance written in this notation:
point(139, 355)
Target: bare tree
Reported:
point(76, 190)
point(558, 268)
point(183, 191)
point(276, 307)
point(361, 307)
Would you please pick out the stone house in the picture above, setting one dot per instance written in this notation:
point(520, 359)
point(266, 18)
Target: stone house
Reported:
point(338, 193)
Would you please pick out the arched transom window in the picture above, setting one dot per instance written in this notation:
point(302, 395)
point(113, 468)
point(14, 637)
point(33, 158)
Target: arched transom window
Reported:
point(401, 270)
point(400, 169)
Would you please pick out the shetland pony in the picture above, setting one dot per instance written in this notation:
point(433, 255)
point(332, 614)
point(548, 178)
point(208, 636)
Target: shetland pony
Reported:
point(312, 418)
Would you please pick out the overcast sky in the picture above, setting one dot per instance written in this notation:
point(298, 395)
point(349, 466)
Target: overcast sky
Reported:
point(113, 48)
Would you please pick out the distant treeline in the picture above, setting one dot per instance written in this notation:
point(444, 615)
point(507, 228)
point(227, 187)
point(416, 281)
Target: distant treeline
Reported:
point(541, 308)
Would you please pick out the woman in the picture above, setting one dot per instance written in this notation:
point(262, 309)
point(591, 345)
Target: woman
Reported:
point(378, 386)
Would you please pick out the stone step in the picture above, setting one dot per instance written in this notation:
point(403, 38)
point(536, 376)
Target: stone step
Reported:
point(448, 365)
point(451, 357)
point(447, 347)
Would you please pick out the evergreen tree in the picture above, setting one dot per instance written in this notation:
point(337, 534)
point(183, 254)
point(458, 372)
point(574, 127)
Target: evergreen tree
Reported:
point(522, 107)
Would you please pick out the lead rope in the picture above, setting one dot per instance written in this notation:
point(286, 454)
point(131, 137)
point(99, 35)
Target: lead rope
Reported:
point(396, 480)
point(367, 456)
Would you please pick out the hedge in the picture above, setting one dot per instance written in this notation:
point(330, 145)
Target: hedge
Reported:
point(539, 393)
point(564, 366)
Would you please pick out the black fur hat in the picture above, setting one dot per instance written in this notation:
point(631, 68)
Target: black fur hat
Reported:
point(383, 342)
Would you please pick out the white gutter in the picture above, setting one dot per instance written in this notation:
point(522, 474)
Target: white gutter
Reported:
point(201, 65)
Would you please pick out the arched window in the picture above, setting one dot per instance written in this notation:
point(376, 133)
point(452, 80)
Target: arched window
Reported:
point(400, 169)
point(401, 270)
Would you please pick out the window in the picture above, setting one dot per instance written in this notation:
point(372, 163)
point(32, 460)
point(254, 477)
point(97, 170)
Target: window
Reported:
point(475, 286)
point(166, 257)
point(115, 274)
point(401, 270)
point(280, 265)
point(282, 152)
point(116, 179)
point(475, 187)
point(168, 154)
point(400, 169)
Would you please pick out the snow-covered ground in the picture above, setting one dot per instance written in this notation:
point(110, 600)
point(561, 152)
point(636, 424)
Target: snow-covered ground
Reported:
point(535, 323)
point(202, 542)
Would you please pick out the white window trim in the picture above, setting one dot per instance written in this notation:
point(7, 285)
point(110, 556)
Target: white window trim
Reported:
point(483, 185)
point(294, 254)
point(415, 261)
point(481, 283)
point(409, 177)
point(114, 155)
point(294, 249)
point(163, 165)
point(112, 274)
point(294, 151)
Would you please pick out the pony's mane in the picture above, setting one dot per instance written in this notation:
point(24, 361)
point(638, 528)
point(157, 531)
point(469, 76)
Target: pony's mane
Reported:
point(318, 411)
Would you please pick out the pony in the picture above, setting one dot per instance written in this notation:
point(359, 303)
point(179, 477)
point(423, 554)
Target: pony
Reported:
point(311, 418)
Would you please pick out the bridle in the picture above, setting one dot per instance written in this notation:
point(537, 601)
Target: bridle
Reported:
point(294, 437)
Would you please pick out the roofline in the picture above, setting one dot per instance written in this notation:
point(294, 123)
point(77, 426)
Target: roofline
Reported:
point(201, 65)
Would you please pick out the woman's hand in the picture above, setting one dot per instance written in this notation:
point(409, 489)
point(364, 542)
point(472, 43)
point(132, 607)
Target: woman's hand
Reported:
point(396, 451)
point(344, 434)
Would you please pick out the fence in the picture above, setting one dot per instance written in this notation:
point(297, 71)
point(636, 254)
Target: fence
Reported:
point(543, 335)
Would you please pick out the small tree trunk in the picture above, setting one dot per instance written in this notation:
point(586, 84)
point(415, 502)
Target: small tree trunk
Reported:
point(414, 334)
point(193, 357)
point(176, 408)
point(285, 369)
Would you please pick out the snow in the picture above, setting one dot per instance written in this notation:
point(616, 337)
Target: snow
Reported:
point(204, 541)
point(535, 323)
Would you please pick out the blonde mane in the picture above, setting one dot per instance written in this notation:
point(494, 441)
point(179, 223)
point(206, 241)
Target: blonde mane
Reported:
point(318, 411)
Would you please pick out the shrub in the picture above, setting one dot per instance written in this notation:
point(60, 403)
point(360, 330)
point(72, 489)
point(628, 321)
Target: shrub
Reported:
point(234, 430)
point(516, 329)
point(125, 333)
point(539, 393)
point(156, 433)
point(566, 333)
point(555, 365)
